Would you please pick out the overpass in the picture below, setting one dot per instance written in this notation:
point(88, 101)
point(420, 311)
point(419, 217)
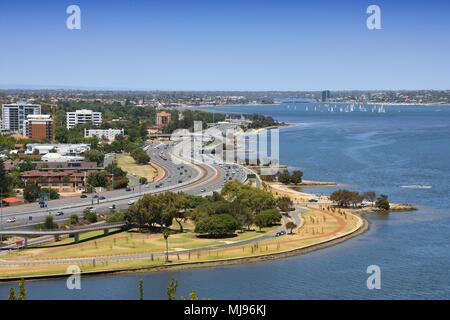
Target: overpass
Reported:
point(75, 232)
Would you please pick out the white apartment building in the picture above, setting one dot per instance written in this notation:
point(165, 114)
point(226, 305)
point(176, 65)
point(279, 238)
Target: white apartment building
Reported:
point(83, 117)
point(109, 134)
point(14, 115)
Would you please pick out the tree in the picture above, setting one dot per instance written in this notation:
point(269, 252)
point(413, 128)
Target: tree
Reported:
point(296, 176)
point(291, 226)
point(139, 156)
point(193, 296)
point(5, 179)
point(172, 290)
point(31, 192)
point(90, 216)
point(22, 291)
point(98, 179)
point(26, 165)
point(52, 193)
point(95, 155)
point(383, 203)
point(284, 177)
point(218, 225)
point(143, 180)
point(166, 236)
point(73, 219)
point(12, 294)
point(49, 224)
point(345, 197)
point(285, 203)
point(115, 217)
point(267, 218)
point(370, 196)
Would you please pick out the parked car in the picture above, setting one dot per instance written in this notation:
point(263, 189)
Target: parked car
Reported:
point(11, 220)
point(112, 207)
point(131, 202)
point(83, 196)
point(102, 198)
point(127, 189)
point(92, 209)
point(313, 200)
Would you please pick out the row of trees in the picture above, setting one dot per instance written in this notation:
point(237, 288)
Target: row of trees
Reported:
point(111, 177)
point(287, 177)
point(346, 198)
point(237, 207)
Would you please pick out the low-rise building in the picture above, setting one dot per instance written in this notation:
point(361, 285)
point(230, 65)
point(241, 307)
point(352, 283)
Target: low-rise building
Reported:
point(162, 119)
point(62, 149)
point(61, 180)
point(56, 157)
point(107, 134)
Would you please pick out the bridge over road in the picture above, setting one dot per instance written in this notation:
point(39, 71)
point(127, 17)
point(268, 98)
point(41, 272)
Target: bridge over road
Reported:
point(75, 232)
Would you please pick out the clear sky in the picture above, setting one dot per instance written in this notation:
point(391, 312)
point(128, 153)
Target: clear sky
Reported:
point(225, 45)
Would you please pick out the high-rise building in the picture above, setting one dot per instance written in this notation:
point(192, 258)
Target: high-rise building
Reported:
point(14, 115)
point(162, 119)
point(39, 127)
point(326, 95)
point(83, 117)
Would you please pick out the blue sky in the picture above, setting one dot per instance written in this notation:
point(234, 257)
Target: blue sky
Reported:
point(225, 45)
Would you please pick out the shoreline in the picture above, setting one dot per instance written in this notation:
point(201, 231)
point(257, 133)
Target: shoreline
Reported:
point(358, 230)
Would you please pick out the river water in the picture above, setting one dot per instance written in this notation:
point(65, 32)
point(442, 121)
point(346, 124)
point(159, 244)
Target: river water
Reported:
point(403, 152)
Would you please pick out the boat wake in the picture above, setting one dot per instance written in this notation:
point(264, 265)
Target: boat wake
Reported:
point(416, 186)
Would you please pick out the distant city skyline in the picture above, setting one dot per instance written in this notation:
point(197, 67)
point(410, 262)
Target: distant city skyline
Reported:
point(225, 46)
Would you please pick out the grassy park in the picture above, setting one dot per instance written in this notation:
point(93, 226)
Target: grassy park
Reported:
point(149, 171)
point(319, 225)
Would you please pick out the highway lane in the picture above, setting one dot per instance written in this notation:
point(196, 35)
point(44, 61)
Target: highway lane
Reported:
point(200, 179)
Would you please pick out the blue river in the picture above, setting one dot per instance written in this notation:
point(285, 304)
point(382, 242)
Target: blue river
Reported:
point(403, 152)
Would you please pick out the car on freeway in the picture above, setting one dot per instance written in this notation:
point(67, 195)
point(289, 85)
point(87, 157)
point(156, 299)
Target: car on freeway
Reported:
point(11, 220)
point(131, 202)
point(59, 213)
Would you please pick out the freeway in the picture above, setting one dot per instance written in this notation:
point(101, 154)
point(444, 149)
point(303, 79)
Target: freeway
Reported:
point(185, 175)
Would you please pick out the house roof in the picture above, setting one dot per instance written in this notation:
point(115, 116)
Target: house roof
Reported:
point(12, 200)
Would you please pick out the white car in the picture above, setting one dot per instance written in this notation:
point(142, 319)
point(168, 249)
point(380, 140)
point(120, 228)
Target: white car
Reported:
point(11, 220)
point(131, 202)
